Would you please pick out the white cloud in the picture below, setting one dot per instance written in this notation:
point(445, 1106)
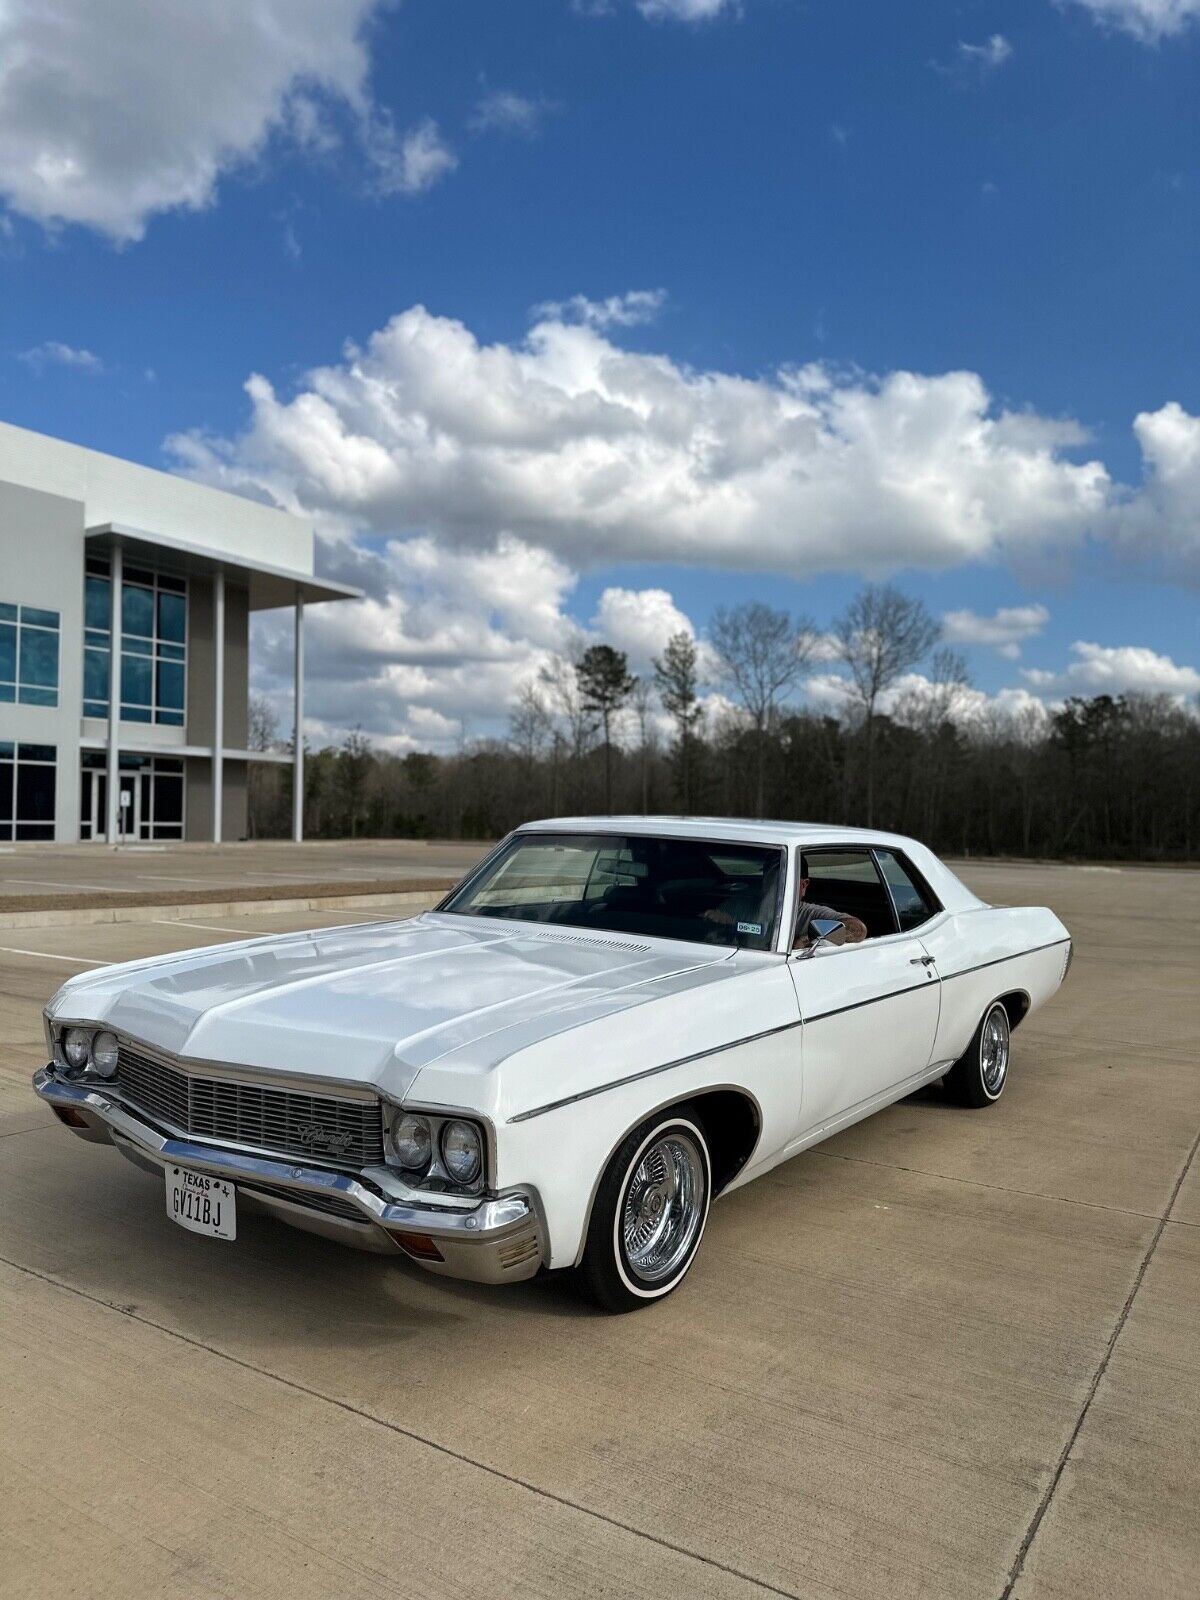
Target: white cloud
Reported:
point(627, 310)
point(1162, 519)
point(905, 700)
point(973, 62)
point(53, 353)
point(113, 110)
point(1151, 21)
point(1005, 631)
point(1116, 669)
point(989, 55)
point(511, 468)
point(503, 111)
point(1094, 669)
point(639, 621)
point(411, 163)
point(600, 454)
point(684, 10)
point(443, 640)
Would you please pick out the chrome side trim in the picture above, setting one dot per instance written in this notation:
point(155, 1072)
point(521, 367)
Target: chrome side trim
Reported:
point(949, 977)
point(871, 1000)
point(651, 1072)
point(751, 1038)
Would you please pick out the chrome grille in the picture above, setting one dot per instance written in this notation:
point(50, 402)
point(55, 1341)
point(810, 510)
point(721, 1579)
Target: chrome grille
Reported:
point(327, 1129)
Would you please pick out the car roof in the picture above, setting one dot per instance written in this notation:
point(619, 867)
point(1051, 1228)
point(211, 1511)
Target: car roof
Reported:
point(953, 893)
point(741, 830)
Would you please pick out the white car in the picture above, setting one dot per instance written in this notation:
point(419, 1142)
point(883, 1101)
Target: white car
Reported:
point(608, 1024)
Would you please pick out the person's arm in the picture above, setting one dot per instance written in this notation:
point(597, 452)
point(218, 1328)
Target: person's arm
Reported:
point(852, 932)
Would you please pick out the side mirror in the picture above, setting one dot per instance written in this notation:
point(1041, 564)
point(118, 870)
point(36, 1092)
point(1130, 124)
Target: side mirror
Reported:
point(822, 930)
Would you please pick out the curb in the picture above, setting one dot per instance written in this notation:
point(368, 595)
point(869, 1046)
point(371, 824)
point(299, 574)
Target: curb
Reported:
point(90, 916)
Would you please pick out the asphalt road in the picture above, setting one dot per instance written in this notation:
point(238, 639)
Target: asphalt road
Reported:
point(947, 1354)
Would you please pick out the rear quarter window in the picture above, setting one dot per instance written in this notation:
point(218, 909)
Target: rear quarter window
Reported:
point(914, 903)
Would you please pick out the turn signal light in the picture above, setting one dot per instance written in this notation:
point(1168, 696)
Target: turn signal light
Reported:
point(70, 1116)
point(419, 1245)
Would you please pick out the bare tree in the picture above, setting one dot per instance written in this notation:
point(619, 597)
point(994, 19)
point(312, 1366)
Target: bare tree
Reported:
point(605, 685)
point(678, 684)
point(560, 682)
point(641, 701)
point(940, 699)
point(530, 724)
point(760, 654)
point(263, 733)
point(881, 634)
point(355, 759)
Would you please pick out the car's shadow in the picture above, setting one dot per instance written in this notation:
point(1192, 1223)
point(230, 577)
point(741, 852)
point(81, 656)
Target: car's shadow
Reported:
point(123, 1250)
point(276, 1282)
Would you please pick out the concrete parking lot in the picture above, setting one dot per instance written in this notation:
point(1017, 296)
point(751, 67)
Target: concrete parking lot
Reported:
point(140, 871)
point(947, 1354)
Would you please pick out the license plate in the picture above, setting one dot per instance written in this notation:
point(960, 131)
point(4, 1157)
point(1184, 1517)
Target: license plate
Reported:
point(203, 1204)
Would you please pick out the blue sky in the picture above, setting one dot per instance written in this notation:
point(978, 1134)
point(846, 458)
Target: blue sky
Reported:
point(1006, 190)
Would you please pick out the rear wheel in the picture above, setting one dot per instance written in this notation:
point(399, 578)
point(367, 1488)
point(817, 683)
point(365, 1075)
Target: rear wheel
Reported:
point(978, 1077)
point(649, 1213)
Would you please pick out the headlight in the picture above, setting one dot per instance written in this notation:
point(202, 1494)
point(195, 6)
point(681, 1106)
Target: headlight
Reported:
point(412, 1140)
point(76, 1043)
point(462, 1151)
point(104, 1054)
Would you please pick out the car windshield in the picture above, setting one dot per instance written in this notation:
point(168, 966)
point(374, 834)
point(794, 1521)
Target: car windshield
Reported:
point(705, 892)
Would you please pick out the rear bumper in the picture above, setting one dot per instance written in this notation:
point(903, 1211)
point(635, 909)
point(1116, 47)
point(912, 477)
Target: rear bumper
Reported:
point(497, 1241)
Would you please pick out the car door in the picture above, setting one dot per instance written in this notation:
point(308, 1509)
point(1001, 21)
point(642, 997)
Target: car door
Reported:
point(869, 1011)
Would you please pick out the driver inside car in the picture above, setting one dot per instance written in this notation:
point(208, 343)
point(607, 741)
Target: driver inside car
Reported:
point(852, 931)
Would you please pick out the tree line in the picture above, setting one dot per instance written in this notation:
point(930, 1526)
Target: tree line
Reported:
point(713, 729)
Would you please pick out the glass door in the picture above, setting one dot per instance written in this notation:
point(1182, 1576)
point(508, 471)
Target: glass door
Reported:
point(93, 803)
point(129, 807)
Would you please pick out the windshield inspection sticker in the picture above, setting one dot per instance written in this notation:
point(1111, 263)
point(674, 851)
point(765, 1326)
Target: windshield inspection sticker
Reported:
point(749, 927)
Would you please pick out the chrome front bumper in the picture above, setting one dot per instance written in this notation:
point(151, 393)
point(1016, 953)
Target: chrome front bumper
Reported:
point(497, 1241)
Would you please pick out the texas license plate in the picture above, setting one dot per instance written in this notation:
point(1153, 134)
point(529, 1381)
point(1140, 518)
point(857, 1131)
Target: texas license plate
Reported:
point(203, 1204)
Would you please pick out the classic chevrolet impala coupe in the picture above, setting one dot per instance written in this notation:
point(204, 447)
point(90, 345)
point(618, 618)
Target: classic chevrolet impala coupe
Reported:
point(608, 1024)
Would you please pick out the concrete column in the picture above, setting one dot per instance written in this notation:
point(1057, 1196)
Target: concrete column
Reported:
point(218, 734)
point(113, 808)
point(298, 746)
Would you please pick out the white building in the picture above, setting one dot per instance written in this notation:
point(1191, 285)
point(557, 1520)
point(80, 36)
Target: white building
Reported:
point(122, 585)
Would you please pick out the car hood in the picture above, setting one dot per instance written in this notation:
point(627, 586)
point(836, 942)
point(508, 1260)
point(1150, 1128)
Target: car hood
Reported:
point(376, 1003)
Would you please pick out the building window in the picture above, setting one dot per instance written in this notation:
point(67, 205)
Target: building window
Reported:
point(27, 786)
point(150, 800)
point(28, 655)
point(153, 644)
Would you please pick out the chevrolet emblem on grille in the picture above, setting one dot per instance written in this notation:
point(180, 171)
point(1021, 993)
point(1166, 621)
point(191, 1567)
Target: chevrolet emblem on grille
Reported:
point(312, 1134)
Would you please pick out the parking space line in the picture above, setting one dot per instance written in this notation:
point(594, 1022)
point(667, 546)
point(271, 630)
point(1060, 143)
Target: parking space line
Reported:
point(46, 955)
point(1031, 1533)
point(71, 885)
point(211, 882)
point(352, 916)
point(207, 927)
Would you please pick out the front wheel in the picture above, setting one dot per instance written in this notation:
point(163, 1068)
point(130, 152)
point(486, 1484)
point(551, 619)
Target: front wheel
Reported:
point(978, 1077)
point(649, 1213)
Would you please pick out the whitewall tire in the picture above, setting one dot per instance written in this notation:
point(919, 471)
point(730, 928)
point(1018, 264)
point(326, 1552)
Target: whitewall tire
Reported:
point(649, 1213)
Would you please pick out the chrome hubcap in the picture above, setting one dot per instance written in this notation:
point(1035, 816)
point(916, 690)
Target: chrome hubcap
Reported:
point(993, 1050)
point(664, 1208)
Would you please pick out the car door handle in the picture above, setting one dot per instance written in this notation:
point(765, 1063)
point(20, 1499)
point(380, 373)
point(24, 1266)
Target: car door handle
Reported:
point(921, 961)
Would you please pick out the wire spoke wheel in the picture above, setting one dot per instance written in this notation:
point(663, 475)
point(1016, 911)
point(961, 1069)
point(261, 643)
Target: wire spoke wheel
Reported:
point(993, 1050)
point(664, 1207)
